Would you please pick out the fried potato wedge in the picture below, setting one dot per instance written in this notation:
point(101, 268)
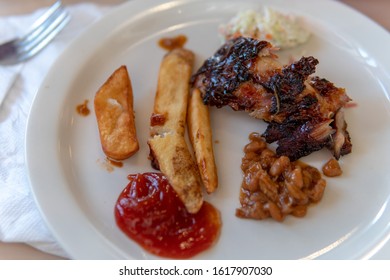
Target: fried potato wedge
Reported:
point(168, 148)
point(114, 111)
point(175, 161)
point(171, 101)
point(200, 134)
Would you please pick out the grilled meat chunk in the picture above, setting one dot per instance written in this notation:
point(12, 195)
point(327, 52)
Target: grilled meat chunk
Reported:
point(304, 112)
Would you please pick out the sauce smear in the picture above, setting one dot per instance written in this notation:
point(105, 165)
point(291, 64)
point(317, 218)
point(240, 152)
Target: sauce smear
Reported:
point(150, 212)
point(82, 109)
point(172, 43)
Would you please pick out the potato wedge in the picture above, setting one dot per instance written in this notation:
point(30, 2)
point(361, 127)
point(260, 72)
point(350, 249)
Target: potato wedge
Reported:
point(175, 161)
point(199, 129)
point(171, 101)
point(168, 148)
point(113, 105)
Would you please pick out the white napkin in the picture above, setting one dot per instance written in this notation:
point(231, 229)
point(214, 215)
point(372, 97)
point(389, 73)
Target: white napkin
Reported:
point(20, 220)
point(8, 76)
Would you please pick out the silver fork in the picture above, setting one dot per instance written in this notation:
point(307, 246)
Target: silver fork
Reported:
point(42, 32)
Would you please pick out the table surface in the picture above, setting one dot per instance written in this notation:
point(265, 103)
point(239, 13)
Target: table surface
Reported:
point(375, 9)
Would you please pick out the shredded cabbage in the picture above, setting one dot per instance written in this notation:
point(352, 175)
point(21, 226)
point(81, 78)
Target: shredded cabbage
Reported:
point(281, 30)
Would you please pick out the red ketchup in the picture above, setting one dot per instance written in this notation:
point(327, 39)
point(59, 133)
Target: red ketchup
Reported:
point(150, 212)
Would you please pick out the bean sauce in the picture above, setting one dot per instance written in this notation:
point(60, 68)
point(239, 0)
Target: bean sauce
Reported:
point(274, 186)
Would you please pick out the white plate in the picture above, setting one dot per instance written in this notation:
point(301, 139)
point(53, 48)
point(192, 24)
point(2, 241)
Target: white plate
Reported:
point(76, 194)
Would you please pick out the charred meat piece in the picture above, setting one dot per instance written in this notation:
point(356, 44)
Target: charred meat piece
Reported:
point(304, 112)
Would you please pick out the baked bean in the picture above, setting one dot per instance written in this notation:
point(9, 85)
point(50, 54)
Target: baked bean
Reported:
point(254, 147)
point(267, 158)
point(251, 182)
point(332, 168)
point(287, 203)
point(279, 165)
point(295, 177)
point(255, 211)
point(274, 211)
point(299, 211)
point(274, 186)
point(317, 191)
point(268, 186)
point(258, 197)
point(256, 137)
point(307, 178)
point(296, 192)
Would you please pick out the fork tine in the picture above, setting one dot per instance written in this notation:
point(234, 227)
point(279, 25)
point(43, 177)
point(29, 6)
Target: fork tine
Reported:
point(35, 44)
point(42, 32)
point(39, 24)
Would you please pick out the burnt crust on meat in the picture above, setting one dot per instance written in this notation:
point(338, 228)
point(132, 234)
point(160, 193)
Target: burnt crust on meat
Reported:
point(304, 112)
point(227, 69)
point(289, 82)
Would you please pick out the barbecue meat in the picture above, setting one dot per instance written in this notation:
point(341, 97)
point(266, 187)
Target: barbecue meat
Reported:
point(304, 112)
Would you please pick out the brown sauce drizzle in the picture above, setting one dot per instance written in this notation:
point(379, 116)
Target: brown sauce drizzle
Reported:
point(171, 43)
point(82, 109)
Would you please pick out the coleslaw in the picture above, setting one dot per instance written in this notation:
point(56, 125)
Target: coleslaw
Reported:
point(281, 30)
